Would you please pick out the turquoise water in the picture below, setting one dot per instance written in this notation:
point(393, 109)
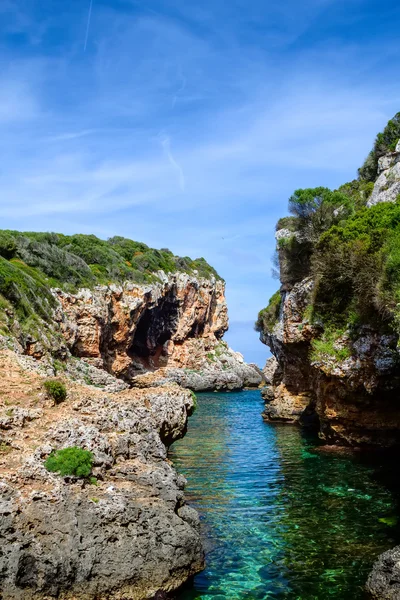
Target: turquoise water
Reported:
point(280, 517)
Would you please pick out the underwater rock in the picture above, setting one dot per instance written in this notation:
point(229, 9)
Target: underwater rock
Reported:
point(384, 580)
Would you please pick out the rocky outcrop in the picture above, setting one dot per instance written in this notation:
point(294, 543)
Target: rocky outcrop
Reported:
point(175, 324)
point(125, 534)
point(384, 580)
point(353, 398)
point(387, 185)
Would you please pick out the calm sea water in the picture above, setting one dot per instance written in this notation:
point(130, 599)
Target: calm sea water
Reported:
point(280, 517)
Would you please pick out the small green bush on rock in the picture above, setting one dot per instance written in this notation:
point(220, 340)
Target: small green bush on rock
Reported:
point(56, 390)
point(70, 461)
point(269, 316)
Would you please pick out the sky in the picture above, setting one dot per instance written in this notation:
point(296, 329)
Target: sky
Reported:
point(187, 124)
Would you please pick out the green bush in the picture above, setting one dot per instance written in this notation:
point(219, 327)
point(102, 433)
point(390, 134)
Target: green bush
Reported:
point(85, 260)
point(384, 142)
point(56, 390)
point(317, 209)
point(268, 317)
point(290, 223)
point(70, 461)
point(356, 267)
point(358, 191)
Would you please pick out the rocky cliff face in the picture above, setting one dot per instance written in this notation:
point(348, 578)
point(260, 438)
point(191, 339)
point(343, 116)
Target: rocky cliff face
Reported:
point(175, 325)
point(344, 380)
point(353, 399)
point(129, 535)
point(387, 185)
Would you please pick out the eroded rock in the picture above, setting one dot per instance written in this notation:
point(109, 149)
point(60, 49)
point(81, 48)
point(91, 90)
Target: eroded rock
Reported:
point(129, 536)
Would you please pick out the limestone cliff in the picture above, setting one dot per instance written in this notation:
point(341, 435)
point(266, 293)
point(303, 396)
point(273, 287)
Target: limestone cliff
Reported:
point(333, 327)
point(174, 325)
point(120, 307)
point(353, 400)
point(127, 533)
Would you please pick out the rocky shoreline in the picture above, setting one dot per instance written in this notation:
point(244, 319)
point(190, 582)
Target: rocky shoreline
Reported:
point(128, 533)
point(130, 356)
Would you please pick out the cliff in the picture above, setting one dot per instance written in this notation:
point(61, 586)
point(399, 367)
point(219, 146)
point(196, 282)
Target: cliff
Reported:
point(170, 330)
point(118, 306)
point(333, 327)
point(120, 325)
point(126, 531)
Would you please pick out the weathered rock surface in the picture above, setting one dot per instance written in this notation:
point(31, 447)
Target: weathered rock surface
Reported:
point(355, 399)
point(387, 186)
point(384, 580)
point(130, 535)
point(176, 325)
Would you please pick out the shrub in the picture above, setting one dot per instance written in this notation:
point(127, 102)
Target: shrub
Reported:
point(358, 191)
point(290, 223)
point(268, 317)
point(8, 246)
point(70, 461)
point(357, 265)
point(384, 142)
point(56, 390)
point(317, 209)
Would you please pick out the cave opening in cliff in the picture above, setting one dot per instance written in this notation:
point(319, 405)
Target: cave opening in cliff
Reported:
point(156, 326)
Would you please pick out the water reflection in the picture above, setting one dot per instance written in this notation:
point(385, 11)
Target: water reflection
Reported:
point(281, 519)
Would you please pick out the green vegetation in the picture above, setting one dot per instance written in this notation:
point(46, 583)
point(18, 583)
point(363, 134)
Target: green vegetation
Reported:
point(351, 252)
point(70, 461)
point(32, 263)
point(268, 317)
point(5, 448)
point(358, 191)
point(56, 390)
point(84, 260)
point(385, 142)
point(327, 346)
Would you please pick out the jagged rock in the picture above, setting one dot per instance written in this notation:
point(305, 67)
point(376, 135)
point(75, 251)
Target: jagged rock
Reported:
point(129, 536)
point(282, 405)
point(354, 399)
point(384, 581)
point(387, 186)
point(176, 324)
point(272, 372)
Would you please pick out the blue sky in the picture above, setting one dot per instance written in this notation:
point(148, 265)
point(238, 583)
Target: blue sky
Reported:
point(188, 124)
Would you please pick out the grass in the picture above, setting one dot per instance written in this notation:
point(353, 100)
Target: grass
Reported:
point(5, 448)
point(327, 347)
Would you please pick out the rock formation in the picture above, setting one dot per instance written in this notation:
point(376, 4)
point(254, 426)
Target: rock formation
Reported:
point(387, 185)
point(127, 339)
point(125, 534)
point(354, 399)
point(343, 379)
point(175, 325)
point(384, 580)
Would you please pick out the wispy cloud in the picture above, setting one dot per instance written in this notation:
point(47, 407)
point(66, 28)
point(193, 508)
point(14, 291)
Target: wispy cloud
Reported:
point(166, 144)
point(88, 25)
